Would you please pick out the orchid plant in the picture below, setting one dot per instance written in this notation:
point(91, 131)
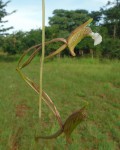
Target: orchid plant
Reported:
point(74, 38)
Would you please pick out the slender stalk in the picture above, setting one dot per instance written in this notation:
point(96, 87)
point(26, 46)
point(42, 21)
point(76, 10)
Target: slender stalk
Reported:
point(42, 57)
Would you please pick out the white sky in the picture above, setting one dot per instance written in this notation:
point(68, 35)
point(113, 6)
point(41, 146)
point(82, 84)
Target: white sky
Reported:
point(28, 15)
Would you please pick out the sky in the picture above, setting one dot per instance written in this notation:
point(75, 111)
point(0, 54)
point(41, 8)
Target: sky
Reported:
point(29, 12)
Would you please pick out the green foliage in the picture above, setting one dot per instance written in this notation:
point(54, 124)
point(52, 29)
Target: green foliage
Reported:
point(96, 15)
point(18, 42)
point(112, 18)
point(32, 38)
point(13, 44)
point(68, 20)
point(105, 22)
point(111, 48)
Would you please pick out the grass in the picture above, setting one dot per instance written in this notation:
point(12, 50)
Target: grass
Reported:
point(68, 82)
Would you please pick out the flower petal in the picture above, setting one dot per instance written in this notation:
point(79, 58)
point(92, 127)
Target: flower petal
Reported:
point(77, 35)
point(96, 37)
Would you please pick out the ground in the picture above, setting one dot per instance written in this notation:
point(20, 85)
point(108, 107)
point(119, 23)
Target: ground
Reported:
point(69, 82)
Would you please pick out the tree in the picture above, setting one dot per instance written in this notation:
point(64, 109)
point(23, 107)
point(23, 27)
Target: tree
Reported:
point(112, 17)
point(4, 13)
point(110, 46)
point(68, 20)
point(96, 15)
point(18, 42)
point(32, 38)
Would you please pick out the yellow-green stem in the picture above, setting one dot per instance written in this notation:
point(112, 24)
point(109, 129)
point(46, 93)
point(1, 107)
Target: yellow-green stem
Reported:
point(42, 57)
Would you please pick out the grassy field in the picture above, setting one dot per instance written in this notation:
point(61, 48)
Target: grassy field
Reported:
point(69, 82)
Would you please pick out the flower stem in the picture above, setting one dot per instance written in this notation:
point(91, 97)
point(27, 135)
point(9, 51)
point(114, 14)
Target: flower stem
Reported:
point(42, 57)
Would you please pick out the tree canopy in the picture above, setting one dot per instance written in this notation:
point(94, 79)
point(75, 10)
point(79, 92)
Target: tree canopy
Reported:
point(105, 21)
point(112, 17)
point(4, 13)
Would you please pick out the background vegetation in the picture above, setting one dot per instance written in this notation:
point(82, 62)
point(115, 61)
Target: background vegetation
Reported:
point(106, 22)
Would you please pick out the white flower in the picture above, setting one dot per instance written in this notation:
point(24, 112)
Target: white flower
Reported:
point(96, 37)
